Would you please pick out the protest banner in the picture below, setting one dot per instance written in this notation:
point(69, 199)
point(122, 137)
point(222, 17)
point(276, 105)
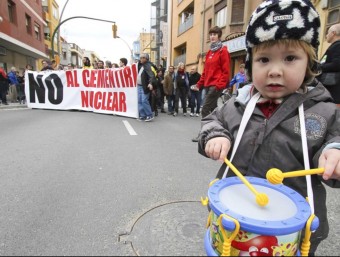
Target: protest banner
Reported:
point(108, 91)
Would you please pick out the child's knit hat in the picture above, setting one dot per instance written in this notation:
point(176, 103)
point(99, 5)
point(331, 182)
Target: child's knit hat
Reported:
point(280, 19)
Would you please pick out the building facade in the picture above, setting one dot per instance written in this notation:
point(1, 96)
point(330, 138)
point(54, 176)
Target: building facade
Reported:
point(190, 20)
point(21, 33)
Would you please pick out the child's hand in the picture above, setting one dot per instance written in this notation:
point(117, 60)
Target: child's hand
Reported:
point(330, 160)
point(217, 148)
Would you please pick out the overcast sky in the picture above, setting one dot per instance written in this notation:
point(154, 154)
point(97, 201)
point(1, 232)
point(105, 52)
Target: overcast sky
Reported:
point(131, 17)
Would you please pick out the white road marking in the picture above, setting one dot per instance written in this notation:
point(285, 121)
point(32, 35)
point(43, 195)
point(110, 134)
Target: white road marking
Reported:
point(129, 128)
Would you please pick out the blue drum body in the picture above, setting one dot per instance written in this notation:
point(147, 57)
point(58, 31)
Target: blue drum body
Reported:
point(271, 230)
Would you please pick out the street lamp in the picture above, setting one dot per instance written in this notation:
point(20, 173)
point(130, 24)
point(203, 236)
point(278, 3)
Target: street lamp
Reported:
point(61, 15)
point(131, 61)
point(75, 17)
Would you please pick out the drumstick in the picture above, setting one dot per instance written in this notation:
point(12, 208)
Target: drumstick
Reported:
point(261, 198)
point(276, 176)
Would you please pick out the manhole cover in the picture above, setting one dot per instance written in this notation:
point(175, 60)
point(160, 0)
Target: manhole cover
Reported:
point(171, 229)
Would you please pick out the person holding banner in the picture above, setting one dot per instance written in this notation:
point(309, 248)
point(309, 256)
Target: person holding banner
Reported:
point(144, 81)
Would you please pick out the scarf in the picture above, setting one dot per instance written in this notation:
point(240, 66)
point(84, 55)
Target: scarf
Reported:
point(216, 46)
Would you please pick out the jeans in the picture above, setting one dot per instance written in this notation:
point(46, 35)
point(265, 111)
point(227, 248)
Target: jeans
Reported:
point(171, 103)
point(181, 94)
point(196, 101)
point(203, 94)
point(144, 107)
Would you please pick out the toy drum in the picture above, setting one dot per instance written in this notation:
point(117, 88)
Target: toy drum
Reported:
point(254, 230)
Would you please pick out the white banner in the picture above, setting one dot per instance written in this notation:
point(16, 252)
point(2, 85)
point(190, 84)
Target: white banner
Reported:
point(109, 91)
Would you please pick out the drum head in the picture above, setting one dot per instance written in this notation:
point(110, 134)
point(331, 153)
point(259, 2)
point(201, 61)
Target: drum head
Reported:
point(286, 212)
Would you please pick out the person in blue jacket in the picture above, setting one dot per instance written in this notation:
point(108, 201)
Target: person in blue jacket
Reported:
point(239, 78)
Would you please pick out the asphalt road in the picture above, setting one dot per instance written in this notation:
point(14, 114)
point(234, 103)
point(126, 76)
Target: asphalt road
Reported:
point(78, 183)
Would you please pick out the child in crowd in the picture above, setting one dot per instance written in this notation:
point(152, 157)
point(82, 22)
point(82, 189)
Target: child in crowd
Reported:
point(261, 126)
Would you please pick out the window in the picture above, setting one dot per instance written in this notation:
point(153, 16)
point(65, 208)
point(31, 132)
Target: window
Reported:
point(55, 13)
point(221, 17)
point(333, 13)
point(334, 3)
point(237, 12)
point(37, 32)
point(28, 24)
point(12, 12)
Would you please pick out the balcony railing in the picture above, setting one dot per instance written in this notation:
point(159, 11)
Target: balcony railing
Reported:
point(189, 23)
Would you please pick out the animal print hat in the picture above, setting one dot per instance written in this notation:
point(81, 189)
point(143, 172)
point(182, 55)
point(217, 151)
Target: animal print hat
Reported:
point(279, 19)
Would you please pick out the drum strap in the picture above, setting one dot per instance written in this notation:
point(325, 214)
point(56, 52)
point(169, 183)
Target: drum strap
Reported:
point(247, 114)
point(306, 157)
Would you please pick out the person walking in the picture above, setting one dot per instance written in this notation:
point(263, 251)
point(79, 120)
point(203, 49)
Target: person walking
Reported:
point(330, 61)
point(13, 83)
point(181, 88)
point(145, 79)
point(216, 72)
point(3, 86)
point(169, 89)
point(195, 94)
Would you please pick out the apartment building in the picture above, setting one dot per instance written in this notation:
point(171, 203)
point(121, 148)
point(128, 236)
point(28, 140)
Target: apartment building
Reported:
point(51, 17)
point(21, 33)
point(159, 27)
point(190, 20)
point(190, 24)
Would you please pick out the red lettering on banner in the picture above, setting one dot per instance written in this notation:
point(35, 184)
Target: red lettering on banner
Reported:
point(93, 78)
point(103, 79)
point(121, 75)
point(72, 79)
point(86, 99)
point(112, 101)
point(117, 79)
point(111, 79)
point(108, 78)
point(129, 81)
point(100, 78)
point(85, 75)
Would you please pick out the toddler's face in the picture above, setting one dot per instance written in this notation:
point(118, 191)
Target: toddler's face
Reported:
point(278, 70)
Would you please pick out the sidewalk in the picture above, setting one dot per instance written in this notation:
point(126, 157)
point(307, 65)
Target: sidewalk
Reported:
point(12, 106)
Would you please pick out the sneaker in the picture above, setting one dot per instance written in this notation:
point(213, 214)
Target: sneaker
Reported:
point(175, 114)
point(185, 114)
point(149, 119)
point(141, 119)
point(197, 114)
point(191, 115)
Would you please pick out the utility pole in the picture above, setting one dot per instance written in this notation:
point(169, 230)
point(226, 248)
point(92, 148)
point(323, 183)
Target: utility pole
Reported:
point(75, 17)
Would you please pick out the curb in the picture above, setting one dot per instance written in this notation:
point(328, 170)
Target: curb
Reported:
point(12, 106)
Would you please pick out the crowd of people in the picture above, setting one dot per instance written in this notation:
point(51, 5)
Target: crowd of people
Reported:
point(12, 84)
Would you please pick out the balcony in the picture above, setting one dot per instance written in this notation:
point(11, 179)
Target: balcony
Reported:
point(188, 24)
